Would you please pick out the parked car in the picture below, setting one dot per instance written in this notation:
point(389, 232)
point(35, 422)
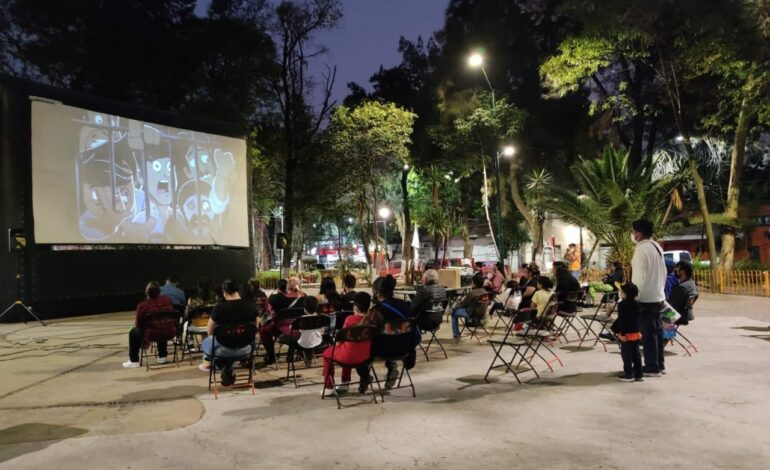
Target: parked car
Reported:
point(677, 256)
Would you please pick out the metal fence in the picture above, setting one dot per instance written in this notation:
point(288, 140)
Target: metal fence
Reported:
point(733, 282)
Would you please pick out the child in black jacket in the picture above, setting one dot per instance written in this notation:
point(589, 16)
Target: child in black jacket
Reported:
point(627, 330)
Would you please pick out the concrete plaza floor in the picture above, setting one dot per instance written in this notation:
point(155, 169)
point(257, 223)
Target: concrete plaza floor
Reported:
point(65, 402)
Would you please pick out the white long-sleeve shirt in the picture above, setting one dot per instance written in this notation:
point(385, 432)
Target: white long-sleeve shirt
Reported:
point(648, 271)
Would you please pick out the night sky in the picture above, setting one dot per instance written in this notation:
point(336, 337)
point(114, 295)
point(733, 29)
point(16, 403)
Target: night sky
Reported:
point(368, 34)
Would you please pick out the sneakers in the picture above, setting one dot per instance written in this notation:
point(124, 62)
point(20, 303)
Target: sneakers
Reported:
point(343, 387)
point(638, 379)
point(269, 360)
point(651, 374)
point(204, 367)
point(328, 392)
point(130, 364)
point(625, 378)
point(162, 360)
point(390, 381)
point(308, 363)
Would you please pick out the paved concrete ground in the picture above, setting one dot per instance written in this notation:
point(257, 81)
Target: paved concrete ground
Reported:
point(65, 402)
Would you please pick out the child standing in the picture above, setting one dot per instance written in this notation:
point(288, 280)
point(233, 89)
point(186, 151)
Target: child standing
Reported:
point(628, 332)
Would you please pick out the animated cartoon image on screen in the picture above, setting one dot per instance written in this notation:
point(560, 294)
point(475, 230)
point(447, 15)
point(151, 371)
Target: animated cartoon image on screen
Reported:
point(125, 166)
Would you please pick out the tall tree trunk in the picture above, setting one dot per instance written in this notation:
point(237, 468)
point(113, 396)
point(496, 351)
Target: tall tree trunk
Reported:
point(533, 220)
point(288, 214)
point(734, 187)
point(406, 249)
point(467, 246)
point(485, 201)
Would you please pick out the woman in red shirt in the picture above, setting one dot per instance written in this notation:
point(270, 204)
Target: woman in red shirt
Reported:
point(154, 303)
point(348, 353)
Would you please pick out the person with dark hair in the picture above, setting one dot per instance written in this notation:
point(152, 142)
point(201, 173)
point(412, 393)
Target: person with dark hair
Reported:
point(255, 291)
point(495, 278)
point(428, 293)
point(628, 332)
point(349, 288)
point(203, 297)
point(390, 308)
point(541, 297)
point(479, 266)
point(682, 292)
point(327, 294)
point(466, 306)
point(528, 285)
point(522, 274)
point(616, 276)
point(671, 278)
point(566, 283)
point(648, 273)
point(574, 258)
point(349, 353)
point(172, 290)
point(154, 302)
point(271, 329)
point(232, 310)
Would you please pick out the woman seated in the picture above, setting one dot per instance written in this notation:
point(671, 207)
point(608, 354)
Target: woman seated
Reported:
point(540, 300)
point(349, 353)
point(681, 293)
point(154, 303)
point(203, 297)
point(284, 298)
point(528, 285)
point(566, 283)
point(307, 339)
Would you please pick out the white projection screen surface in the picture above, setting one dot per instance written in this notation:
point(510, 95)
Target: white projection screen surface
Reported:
point(104, 179)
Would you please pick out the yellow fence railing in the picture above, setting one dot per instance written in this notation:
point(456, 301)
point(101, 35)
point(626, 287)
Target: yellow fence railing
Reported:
point(733, 282)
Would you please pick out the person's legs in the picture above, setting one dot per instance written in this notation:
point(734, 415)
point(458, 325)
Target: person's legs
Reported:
point(134, 344)
point(661, 344)
point(626, 354)
point(328, 372)
point(162, 349)
point(457, 313)
point(636, 359)
point(345, 374)
point(650, 334)
point(363, 375)
point(267, 334)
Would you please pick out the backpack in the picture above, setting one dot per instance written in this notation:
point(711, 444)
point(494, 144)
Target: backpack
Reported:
point(416, 334)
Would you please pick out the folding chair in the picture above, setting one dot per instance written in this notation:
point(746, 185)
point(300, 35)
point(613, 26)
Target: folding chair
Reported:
point(196, 327)
point(394, 343)
point(159, 327)
point(430, 322)
point(685, 343)
point(287, 315)
point(506, 314)
point(235, 336)
point(477, 317)
point(519, 344)
point(568, 318)
point(329, 310)
point(354, 334)
point(601, 319)
point(308, 322)
point(542, 332)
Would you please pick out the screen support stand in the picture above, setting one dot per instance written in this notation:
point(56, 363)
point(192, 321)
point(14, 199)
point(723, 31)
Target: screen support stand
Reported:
point(18, 302)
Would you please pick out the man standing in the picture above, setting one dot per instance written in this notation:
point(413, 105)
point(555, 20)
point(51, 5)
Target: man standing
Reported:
point(573, 257)
point(648, 272)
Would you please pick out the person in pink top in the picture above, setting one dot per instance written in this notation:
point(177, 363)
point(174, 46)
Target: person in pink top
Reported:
point(349, 353)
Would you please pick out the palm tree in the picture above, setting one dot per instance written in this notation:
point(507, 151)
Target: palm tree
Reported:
point(608, 197)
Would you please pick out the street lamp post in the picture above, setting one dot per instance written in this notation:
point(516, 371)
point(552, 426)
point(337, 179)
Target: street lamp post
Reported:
point(477, 61)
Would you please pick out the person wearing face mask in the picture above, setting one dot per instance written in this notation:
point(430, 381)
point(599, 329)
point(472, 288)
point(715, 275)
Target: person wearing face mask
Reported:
point(648, 273)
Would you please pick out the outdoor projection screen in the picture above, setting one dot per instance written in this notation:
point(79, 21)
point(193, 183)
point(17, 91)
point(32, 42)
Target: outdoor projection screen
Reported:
point(102, 179)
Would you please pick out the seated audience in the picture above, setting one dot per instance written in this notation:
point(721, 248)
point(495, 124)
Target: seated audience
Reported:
point(172, 290)
point(203, 297)
point(671, 278)
point(154, 303)
point(427, 293)
point(681, 293)
point(566, 283)
point(465, 307)
point(272, 329)
point(390, 308)
point(528, 284)
point(495, 278)
point(540, 301)
point(308, 339)
point(349, 288)
point(615, 276)
point(350, 353)
point(232, 310)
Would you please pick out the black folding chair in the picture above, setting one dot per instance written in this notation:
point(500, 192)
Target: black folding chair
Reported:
point(158, 327)
point(505, 314)
point(477, 317)
point(519, 344)
point(679, 338)
point(354, 334)
point(195, 329)
point(598, 318)
point(308, 322)
point(568, 318)
point(394, 343)
point(287, 315)
point(543, 333)
point(235, 336)
point(430, 322)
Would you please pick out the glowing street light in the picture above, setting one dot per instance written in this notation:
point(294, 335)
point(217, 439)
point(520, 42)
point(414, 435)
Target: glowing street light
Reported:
point(384, 212)
point(508, 151)
point(475, 60)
